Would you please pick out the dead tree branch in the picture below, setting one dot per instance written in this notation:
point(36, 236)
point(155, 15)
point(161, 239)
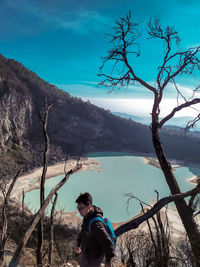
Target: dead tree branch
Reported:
point(4, 234)
point(133, 224)
point(176, 109)
point(51, 241)
point(124, 36)
point(192, 123)
point(42, 181)
point(23, 213)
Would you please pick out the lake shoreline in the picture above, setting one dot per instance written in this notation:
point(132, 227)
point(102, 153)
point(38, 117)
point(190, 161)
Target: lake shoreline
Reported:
point(31, 181)
point(194, 180)
point(155, 163)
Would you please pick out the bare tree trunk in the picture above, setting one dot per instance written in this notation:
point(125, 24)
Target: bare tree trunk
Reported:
point(59, 252)
point(4, 235)
point(185, 211)
point(22, 226)
point(164, 241)
point(42, 184)
point(38, 216)
point(51, 230)
point(174, 63)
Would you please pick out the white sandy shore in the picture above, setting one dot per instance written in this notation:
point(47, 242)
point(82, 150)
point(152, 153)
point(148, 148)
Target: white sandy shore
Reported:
point(154, 162)
point(175, 164)
point(29, 182)
point(194, 180)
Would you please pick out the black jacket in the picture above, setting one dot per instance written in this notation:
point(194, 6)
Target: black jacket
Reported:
point(97, 242)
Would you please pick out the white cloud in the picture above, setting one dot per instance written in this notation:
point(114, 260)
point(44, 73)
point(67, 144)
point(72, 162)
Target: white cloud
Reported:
point(140, 107)
point(186, 91)
point(88, 82)
point(134, 101)
point(91, 88)
point(81, 20)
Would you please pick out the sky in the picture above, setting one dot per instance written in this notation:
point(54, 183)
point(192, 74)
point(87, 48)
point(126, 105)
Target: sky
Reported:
point(63, 42)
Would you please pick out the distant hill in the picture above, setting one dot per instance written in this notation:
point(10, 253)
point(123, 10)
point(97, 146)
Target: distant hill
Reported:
point(143, 120)
point(74, 125)
point(174, 124)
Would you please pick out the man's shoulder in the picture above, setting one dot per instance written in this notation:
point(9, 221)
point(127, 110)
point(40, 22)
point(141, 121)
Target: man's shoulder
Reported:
point(97, 211)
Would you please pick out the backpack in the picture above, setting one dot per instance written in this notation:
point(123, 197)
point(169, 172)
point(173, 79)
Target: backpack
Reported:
point(108, 227)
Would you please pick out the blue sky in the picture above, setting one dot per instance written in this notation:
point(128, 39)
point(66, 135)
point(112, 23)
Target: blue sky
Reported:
point(63, 40)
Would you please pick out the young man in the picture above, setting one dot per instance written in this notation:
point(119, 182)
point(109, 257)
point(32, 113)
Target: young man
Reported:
point(96, 244)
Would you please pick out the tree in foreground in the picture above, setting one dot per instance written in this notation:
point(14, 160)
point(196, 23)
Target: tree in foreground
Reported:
point(42, 182)
point(175, 62)
point(4, 235)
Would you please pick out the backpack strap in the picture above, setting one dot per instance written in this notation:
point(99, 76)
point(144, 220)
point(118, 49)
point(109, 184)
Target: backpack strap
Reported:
point(94, 219)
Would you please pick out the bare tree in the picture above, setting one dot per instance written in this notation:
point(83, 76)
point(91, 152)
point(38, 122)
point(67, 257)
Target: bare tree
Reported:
point(4, 234)
point(153, 246)
point(42, 181)
point(51, 230)
point(175, 62)
point(160, 243)
point(23, 213)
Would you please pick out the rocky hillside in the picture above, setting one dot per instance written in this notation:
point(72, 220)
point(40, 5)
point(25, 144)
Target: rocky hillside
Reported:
point(74, 126)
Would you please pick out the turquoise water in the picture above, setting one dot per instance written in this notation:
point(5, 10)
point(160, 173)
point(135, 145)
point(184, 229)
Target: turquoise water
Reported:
point(119, 175)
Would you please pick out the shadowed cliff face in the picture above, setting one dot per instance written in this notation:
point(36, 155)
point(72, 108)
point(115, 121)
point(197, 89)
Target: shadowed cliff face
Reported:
point(16, 119)
point(22, 96)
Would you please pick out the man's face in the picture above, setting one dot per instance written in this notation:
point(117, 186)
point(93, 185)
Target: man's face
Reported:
point(83, 209)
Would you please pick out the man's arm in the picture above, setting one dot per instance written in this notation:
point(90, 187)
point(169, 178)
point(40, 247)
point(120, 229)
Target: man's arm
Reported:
point(103, 239)
point(78, 249)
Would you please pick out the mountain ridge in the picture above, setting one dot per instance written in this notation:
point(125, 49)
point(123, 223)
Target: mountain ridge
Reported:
point(75, 126)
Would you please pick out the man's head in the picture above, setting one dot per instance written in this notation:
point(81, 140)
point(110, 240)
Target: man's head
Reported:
point(84, 202)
